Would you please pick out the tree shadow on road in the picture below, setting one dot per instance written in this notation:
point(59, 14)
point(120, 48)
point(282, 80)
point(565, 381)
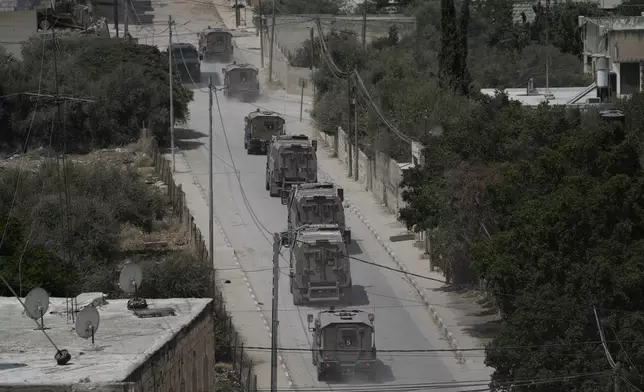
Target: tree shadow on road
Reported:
point(188, 134)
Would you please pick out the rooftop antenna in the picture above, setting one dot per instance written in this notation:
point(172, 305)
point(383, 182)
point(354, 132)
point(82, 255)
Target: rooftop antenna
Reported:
point(36, 305)
point(62, 356)
point(87, 323)
point(130, 281)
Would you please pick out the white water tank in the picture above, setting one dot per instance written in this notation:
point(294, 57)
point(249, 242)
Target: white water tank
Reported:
point(601, 71)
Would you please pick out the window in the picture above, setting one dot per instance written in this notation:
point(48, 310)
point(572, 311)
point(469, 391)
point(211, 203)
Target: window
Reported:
point(269, 125)
point(243, 76)
point(185, 53)
point(219, 39)
point(348, 338)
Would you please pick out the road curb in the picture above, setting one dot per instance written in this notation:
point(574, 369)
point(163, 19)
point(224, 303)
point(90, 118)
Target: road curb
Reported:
point(438, 320)
point(246, 279)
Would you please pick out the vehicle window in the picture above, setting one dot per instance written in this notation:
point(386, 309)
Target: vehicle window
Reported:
point(269, 125)
point(185, 53)
point(348, 338)
point(219, 39)
point(243, 76)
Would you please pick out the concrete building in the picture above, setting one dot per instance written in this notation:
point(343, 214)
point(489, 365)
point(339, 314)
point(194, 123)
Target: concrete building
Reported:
point(614, 52)
point(18, 22)
point(524, 7)
point(170, 349)
point(570, 96)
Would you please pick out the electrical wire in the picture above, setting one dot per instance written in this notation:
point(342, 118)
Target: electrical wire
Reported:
point(26, 144)
point(437, 350)
point(35, 219)
point(482, 384)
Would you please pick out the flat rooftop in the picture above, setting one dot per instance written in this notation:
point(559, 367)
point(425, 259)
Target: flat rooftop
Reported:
point(561, 95)
point(123, 341)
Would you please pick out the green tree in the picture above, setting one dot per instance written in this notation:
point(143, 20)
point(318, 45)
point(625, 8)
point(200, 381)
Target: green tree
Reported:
point(128, 83)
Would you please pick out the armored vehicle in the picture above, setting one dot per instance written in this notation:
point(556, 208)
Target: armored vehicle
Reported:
point(259, 129)
point(343, 342)
point(187, 61)
point(216, 44)
point(316, 203)
point(319, 264)
point(290, 160)
point(241, 81)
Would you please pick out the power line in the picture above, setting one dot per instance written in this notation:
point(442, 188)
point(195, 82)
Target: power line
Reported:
point(437, 350)
point(26, 144)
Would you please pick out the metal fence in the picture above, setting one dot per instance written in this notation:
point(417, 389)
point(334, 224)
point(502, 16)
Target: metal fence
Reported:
point(233, 349)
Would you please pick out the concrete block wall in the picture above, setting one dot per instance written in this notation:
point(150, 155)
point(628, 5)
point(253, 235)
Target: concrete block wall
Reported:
point(380, 175)
point(78, 387)
point(185, 363)
point(292, 30)
point(287, 75)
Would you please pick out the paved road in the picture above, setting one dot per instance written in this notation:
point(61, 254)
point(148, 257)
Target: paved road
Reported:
point(249, 216)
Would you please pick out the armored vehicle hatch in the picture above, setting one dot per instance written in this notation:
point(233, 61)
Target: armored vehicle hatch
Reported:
point(259, 129)
point(291, 159)
point(187, 61)
point(241, 81)
point(216, 44)
point(343, 342)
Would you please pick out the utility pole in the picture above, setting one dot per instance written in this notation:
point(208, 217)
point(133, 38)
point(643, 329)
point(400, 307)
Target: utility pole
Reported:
point(312, 49)
point(261, 31)
point(618, 376)
point(356, 153)
point(365, 4)
point(171, 90)
point(211, 206)
point(275, 323)
point(126, 26)
point(303, 84)
point(350, 150)
point(236, 13)
point(116, 17)
point(270, 55)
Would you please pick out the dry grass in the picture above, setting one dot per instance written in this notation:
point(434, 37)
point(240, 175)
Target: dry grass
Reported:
point(167, 234)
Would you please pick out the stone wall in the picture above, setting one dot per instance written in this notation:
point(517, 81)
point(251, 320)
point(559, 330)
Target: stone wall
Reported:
point(292, 30)
point(184, 363)
point(78, 387)
point(380, 175)
point(290, 77)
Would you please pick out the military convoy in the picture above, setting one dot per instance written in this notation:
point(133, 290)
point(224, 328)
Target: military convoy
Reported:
point(319, 268)
point(343, 342)
point(259, 128)
point(241, 81)
point(216, 44)
point(316, 203)
point(290, 160)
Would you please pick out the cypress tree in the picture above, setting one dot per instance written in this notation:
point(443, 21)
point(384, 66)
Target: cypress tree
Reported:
point(463, 81)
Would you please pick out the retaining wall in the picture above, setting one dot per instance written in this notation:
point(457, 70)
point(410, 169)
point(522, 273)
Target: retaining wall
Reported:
point(381, 175)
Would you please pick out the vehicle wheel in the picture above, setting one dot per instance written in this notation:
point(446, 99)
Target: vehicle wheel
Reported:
point(248, 151)
point(267, 186)
point(272, 191)
point(297, 297)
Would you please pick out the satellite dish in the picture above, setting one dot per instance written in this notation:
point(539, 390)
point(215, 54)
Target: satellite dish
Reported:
point(36, 305)
point(131, 278)
point(87, 323)
point(130, 281)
